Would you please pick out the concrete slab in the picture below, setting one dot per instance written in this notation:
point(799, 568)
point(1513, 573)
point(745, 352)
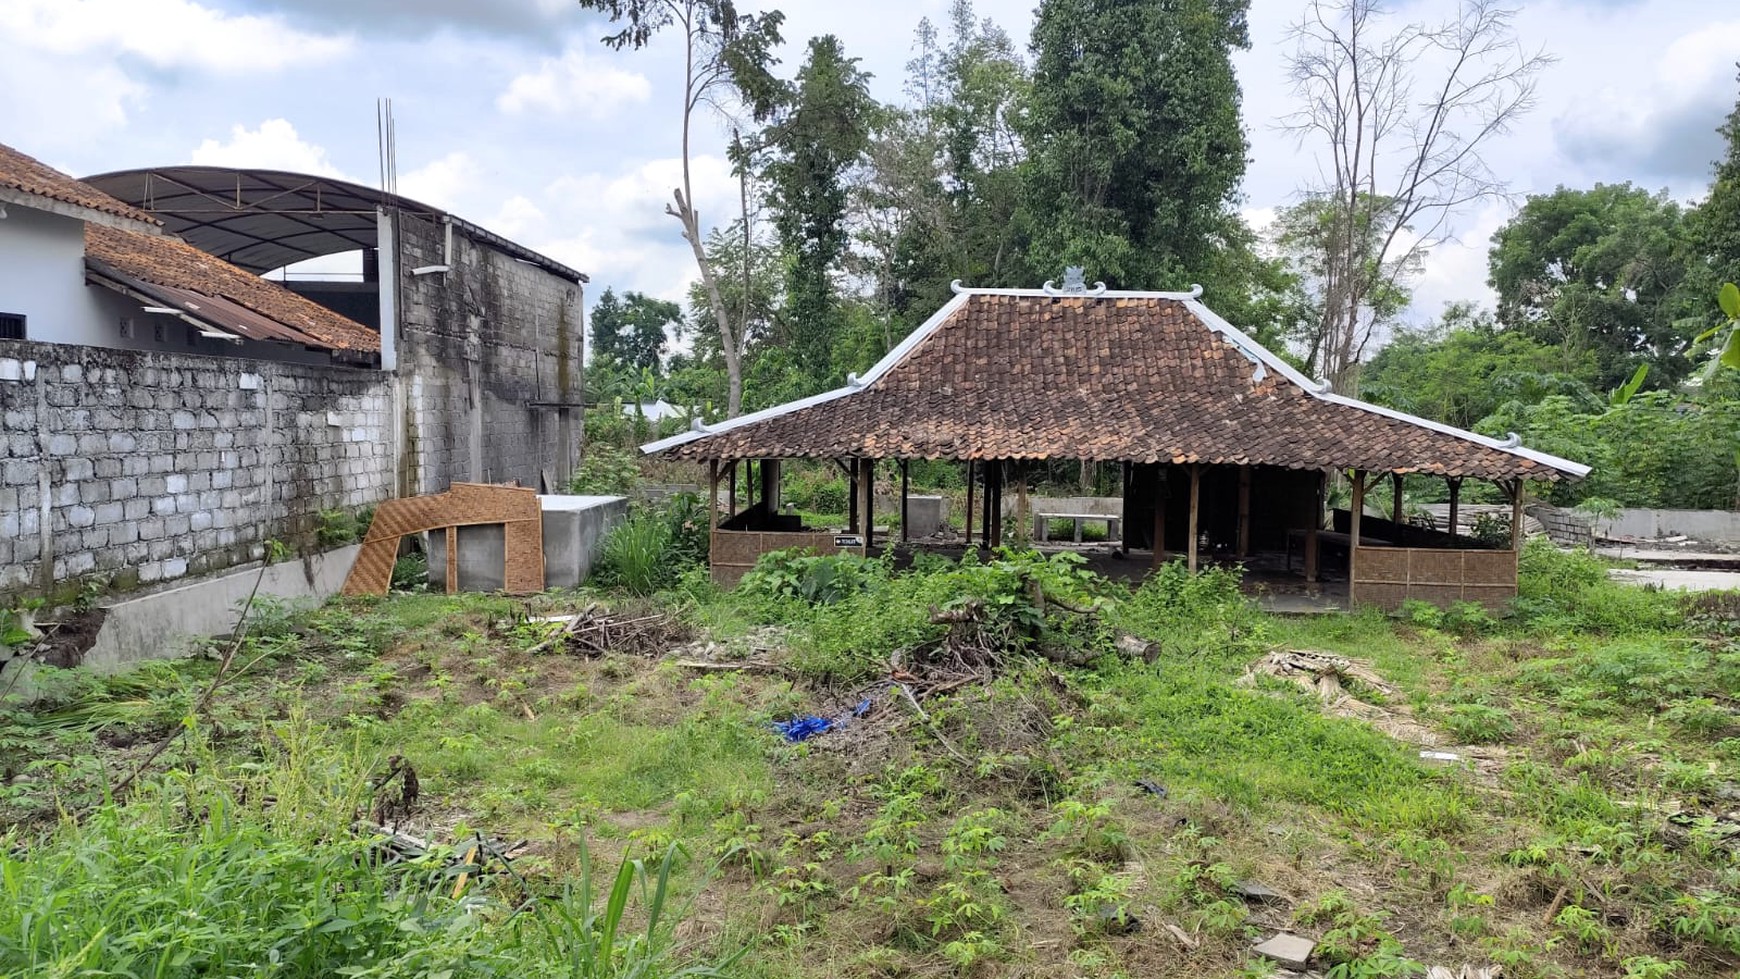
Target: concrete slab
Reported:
point(1287, 949)
point(1678, 580)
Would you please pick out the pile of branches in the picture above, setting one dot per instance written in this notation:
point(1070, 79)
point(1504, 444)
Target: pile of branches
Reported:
point(980, 639)
point(594, 631)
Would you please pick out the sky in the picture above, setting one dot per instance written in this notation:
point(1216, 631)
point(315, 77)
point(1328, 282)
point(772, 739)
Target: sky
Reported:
point(511, 114)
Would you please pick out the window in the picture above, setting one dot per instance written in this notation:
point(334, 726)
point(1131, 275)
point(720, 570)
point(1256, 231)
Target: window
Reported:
point(11, 326)
point(126, 327)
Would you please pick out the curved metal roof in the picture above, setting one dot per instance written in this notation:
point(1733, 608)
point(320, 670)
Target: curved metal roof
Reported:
point(266, 219)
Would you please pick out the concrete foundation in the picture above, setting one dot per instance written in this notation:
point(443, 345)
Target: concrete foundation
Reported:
point(574, 532)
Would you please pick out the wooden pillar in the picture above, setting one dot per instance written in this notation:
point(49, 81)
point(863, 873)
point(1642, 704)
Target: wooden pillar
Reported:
point(852, 502)
point(731, 508)
point(867, 477)
point(905, 491)
point(1195, 505)
point(1311, 530)
point(1124, 522)
point(712, 497)
point(1455, 506)
point(1023, 516)
point(1353, 533)
point(1159, 514)
point(1244, 511)
point(1396, 504)
point(1516, 515)
point(970, 503)
point(994, 521)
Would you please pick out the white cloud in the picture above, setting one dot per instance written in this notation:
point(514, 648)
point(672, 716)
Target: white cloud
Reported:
point(275, 145)
point(89, 104)
point(441, 182)
point(165, 34)
point(574, 83)
point(1456, 270)
point(516, 216)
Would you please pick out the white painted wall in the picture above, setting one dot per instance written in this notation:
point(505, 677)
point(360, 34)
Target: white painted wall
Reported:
point(42, 275)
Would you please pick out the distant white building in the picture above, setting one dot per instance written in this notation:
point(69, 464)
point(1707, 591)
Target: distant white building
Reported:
point(654, 411)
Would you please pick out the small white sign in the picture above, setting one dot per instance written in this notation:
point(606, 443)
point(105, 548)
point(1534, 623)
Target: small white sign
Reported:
point(848, 540)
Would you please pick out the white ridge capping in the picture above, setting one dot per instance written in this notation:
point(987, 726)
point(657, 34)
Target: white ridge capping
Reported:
point(853, 386)
point(1321, 392)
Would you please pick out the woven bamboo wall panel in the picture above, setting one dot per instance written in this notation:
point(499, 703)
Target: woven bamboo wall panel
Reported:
point(465, 504)
point(1388, 576)
point(734, 552)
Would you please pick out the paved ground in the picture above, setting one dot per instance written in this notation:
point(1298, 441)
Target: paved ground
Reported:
point(1679, 580)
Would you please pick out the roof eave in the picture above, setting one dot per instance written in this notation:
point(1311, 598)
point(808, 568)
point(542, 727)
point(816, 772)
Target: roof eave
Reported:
point(65, 209)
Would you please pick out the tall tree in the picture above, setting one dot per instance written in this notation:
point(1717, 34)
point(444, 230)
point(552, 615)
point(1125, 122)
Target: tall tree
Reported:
point(632, 330)
point(725, 52)
point(1135, 145)
point(1399, 117)
point(814, 140)
point(1598, 270)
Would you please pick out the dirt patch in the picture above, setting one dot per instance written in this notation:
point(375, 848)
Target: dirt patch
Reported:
point(65, 642)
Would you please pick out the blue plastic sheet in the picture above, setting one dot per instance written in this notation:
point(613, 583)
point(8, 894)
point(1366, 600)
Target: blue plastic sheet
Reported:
point(806, 726)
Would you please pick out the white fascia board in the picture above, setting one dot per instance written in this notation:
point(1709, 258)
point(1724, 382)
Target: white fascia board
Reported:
point(882, 367)
point(1319, 390)
point(1105, 294)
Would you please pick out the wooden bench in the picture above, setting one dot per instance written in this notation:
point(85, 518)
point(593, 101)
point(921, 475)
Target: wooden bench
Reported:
point(1042, 524)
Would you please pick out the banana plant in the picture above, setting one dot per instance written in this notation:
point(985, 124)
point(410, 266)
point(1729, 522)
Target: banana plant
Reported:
point(1729, 299)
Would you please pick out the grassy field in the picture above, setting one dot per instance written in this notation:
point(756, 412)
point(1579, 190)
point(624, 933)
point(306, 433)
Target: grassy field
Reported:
point(1043, 807)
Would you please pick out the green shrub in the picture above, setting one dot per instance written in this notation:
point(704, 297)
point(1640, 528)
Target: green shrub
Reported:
point(819, 579)
point(606, 470)
point(1569, 591)
point(818, 490)
point(1479, 723)
point(634, 555)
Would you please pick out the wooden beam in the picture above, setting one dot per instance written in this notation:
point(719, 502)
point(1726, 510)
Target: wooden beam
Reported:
point(867, 476)
point(1353, 532)
point(1311, 529)
point(1195, 506)
point(995, 498)
point(1455, 506)
point(712, 498)
point(970, 468)
point(1396, 504)
point(731, 507)
point(770, 485)
point(1124, 523)
point(1244, 511)
point(905, 503)
point(852, 504)
point(1159, 514)
point(1023, 515)
point(1516, 515)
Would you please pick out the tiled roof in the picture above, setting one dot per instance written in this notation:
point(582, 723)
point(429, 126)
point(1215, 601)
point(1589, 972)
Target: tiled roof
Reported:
point(1135, 378)
point(186, 274)
point(32, 176)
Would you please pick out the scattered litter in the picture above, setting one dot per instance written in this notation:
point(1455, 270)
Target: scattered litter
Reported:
point(1466, 972)
point(1181, 936)
point(1255, 893)
point(594, 632)
point(1151, 787)
point(1287, 949)
point(1446, 757)
point(806, 726)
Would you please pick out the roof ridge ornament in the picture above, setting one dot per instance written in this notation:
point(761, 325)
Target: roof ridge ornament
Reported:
point(1074, 284)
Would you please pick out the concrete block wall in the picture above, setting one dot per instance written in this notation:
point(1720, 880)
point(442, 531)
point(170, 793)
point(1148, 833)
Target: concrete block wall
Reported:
point(145, 467)
point(479, 346)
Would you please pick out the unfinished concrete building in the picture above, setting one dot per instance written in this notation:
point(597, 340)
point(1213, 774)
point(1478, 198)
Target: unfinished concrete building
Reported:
point(165, 410)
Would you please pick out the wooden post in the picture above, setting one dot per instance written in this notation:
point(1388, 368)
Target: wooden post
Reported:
point(969, 503)
point(905, 489)
point(1353, 532)
point(995, 498)
point(1159, 514)
point(1455, 507)
point(1195, 504)
point(1516, 515)
point(712, 498)
point(731, 508)
point(1311, 530)
point(867, 476)
point(852, 504)
point(1244, 511)
point(1124, 521)
point(1396, 504)
point(1023, 516)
